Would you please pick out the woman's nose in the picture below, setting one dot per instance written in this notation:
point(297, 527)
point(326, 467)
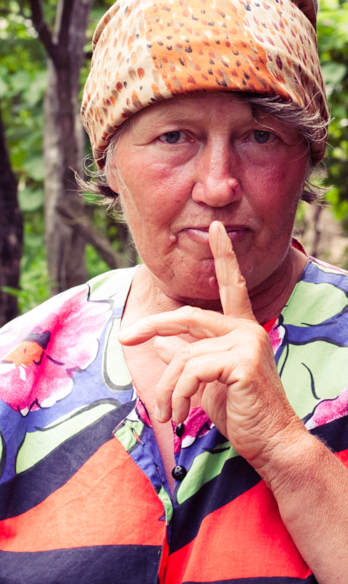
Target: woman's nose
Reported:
point(216, 183)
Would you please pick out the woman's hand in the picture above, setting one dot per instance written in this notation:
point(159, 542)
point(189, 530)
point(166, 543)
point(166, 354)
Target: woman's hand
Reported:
point(231, 365)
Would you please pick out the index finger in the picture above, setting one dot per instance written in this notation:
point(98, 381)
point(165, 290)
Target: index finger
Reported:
point(232, 287)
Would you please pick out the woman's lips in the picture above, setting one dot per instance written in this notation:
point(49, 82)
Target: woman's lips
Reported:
point(201, 234)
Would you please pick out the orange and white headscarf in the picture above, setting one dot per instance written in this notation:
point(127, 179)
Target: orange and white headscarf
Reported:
point(149, 50)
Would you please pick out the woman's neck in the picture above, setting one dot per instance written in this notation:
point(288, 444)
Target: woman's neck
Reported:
point(269, 299)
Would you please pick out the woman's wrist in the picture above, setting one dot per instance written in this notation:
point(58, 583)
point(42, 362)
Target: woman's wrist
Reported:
point(282, 462)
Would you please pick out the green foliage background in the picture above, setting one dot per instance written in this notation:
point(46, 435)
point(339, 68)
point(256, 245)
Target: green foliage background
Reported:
point(22, 87)
point(333, 48)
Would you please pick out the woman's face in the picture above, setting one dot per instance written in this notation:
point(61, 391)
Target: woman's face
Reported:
point(190, 160)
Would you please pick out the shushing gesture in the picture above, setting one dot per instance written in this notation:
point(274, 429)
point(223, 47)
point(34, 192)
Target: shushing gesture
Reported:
point(231, 365)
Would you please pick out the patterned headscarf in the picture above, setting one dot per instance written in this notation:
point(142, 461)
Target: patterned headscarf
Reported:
point(149, 50)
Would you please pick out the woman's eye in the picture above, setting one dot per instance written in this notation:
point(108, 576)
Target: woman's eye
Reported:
point(261, 137)
point(171, 137)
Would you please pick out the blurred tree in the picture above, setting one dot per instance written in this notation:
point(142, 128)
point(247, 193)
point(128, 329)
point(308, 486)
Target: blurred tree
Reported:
point(11, 234)
point(63, 137)
point(67, 225)
point(22, 86)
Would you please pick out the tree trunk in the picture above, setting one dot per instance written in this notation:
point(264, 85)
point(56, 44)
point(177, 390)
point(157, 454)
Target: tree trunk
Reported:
point(317, 231)
point(11, 234)
point(63, 147)
point(67, 222)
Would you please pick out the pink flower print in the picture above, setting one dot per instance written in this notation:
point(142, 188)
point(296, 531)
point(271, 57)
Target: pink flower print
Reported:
point(197, 424)
point(329, 410)
point(41, 351)
point(138, 414)
point(142, 413)
point(276, 333)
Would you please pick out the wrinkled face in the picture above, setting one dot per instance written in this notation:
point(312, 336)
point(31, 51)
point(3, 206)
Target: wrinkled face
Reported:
point(192, 159)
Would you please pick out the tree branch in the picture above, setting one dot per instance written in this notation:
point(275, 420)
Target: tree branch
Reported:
point(41, 27)
point(65, 21)
point(85, 228)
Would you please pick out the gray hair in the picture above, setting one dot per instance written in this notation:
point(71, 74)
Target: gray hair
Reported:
point(310, 126)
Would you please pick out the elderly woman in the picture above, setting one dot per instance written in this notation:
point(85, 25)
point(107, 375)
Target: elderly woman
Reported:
point(185, 421)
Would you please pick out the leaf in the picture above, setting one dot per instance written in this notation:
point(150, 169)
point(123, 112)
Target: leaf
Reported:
point(333, 73)
point(35, 168)
point(29, 200)
point(37, 88)
point(3, 88)
point(20, 81)
point(34, 241)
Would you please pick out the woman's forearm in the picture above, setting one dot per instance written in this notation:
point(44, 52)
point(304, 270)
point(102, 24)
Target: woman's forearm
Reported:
point(310, 485)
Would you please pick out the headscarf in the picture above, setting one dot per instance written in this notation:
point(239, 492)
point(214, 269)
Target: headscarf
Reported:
point(147, 50)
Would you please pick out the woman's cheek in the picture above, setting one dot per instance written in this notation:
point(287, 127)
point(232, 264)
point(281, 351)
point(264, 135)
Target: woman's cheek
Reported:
point(167, 194)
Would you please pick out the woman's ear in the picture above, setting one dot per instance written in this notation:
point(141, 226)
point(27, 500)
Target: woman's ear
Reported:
point(113, 182)
point(112, 176)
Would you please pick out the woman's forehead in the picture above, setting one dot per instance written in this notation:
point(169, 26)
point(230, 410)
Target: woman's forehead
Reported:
point(198, 106)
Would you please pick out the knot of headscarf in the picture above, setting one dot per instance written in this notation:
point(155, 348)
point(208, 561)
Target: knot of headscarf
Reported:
point(146, 51)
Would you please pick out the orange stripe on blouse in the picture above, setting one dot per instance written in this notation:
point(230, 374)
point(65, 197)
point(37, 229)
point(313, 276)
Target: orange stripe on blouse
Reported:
point(229, 546)
point(102, 504)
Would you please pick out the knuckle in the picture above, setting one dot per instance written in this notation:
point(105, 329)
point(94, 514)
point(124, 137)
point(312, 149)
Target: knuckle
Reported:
point(185, 352)
point(192, 368)
point(151, 321)
point(230, 253)
point(263, 338)
point(163, 393)
point(240, 280)
point(262, 347)
point(191, 313)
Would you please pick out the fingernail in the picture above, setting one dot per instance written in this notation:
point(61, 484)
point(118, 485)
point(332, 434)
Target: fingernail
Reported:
point(158, 414)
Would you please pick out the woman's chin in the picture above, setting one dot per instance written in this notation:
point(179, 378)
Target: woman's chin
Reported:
point(206, 298)
point(195, 285)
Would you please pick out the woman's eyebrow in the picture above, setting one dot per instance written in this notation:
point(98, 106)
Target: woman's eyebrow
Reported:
point(178, 117)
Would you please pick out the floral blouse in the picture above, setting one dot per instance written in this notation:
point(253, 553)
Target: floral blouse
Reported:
point(83, 494)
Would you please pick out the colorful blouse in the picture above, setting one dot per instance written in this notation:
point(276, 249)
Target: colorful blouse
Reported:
point(83, 494)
